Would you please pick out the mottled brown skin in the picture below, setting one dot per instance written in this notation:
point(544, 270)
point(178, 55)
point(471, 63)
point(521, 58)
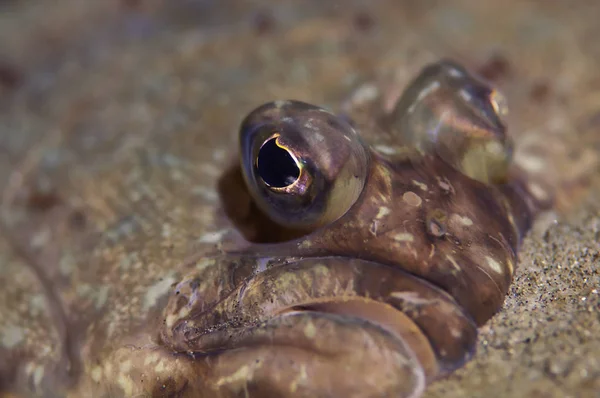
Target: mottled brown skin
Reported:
point(379, 302)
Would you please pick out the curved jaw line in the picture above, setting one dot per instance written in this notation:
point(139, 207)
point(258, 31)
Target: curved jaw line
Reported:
point(417, 318)
point(380, 314)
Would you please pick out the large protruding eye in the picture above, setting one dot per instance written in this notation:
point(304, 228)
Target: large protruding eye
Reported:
point(304, 166)
point(449, 112)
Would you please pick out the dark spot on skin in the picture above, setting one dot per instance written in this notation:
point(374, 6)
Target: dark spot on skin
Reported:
point(168, 388)
point(42, 200)
point(495, 68)
point(194, 284)
point(540, 91)
point(435, 228)
point(363, 21)
point(435, 223)
point(10, 77)
point(77, 219)
point(263, 23)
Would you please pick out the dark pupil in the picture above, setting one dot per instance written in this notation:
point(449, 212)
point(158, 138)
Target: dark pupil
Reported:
point(276, 166)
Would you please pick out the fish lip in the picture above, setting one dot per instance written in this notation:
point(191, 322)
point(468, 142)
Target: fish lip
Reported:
point(234, 311)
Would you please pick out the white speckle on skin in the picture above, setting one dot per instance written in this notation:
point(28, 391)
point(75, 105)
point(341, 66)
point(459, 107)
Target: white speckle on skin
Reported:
point(494, 265)
point(244, 374)
point(160, 367)
point(38, 375)
point(511, 219)
point(219, 154)
point(465, 95)
point(165, 230)
point(455, 72)
point(386, 150)
point(169, 321)
point(318, 137)
point(455, 333)
point(365, 93)
point(184, 311)
point(41, 238)
point(420, 184)
point(412, 199)
point(66, 264)
point(157, 290)
point(212, 237)
point(210, 169)
point(102, 296)
point(510, 266)
point(413, 298)
point(262, 264)
point(12, 335)
point(494, 148)
point(204, 262)
point(529, 162)
point(463, 220)
point(403, 237)
point(125, 366)
point(537, 191)
point(445, 184)
point(300, 379)
point(382, 212)
point(96, 374)
point(425, 92)
point(126, 384)
point(37, 304)
point(453, 262)
point(176, 175)
point(280, 104)
point(305, 244)
point(150, 359)
point(310, 331)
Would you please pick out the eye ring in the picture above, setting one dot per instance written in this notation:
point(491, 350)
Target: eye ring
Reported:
point(303, 166)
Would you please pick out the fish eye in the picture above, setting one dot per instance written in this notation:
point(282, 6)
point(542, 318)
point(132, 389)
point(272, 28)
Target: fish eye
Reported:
point(448, 112)
point(304, 167)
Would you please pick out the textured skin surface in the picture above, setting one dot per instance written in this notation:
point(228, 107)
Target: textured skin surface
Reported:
point(109, 112)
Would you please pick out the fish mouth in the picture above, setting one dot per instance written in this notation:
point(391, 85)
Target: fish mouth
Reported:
point(383, 316)
point(412, 312)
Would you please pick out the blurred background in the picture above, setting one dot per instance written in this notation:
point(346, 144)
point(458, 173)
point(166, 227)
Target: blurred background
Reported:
point(92, 72)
